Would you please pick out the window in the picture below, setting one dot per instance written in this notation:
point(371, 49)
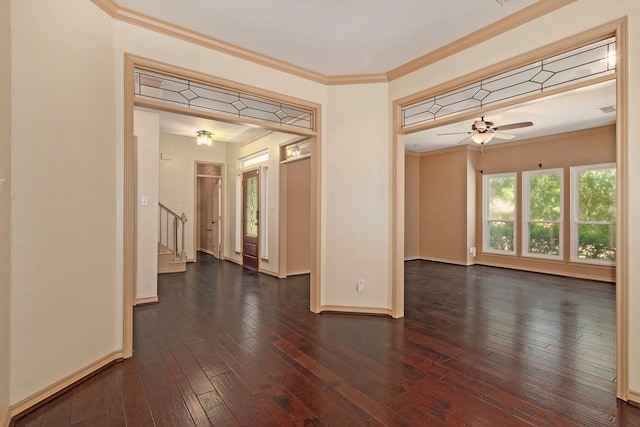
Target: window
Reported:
point(593, 213)
point(499, 213)
point(542, 213)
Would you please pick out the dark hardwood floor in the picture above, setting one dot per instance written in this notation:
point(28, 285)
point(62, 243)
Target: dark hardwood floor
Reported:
point(478, 346)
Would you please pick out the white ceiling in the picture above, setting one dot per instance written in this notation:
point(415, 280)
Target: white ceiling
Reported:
point(333, 37)
point(349, 37)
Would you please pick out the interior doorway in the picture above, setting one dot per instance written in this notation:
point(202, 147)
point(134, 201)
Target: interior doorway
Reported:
point(209, 210)
point(250, 215)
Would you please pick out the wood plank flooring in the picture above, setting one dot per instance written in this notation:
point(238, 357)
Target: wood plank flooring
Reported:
point(478, 346)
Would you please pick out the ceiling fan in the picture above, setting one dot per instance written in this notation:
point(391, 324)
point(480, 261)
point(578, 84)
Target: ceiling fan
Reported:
point(483, 131)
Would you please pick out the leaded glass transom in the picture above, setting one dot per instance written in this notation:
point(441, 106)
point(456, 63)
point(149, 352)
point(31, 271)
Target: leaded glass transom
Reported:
point(198, 96)
point(577, 65)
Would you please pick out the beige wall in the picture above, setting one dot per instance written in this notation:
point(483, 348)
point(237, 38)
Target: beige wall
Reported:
point(298, 216)
point(177, 178)
point(5, 202)
point(561, 151)
point(146, 128)
point(412, 206)
point(573, 19)
point(356, 197)
point(443, 206)
point(63, 250)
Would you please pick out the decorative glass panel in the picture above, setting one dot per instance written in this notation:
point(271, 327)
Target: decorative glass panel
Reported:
point(580, 64)
point(199, 96)
point(296, 150)
point(251, 208)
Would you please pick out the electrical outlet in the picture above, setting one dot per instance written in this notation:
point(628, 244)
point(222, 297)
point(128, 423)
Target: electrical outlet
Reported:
point(360, 285)
point(472, 251)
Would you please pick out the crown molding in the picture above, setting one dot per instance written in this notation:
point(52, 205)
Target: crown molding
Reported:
point(357, 79)
point(167, 28)
point(109, 6)
point(536, 10)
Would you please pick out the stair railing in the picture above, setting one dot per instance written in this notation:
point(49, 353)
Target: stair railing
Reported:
point(171, 232)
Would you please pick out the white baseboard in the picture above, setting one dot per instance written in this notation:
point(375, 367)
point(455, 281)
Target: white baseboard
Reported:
point(443, 260)
point(356, 310)
point(298, 273)
point(58, 386)
point(148, 300)
point(269, 272)
point(233, 260)
point(634, 397)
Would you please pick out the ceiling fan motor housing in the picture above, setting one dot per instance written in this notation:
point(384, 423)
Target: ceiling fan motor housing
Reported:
point(481, 125)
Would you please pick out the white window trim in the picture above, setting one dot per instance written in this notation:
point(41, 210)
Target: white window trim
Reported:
point(485, 214)
point(526, 176)
point(575, 203)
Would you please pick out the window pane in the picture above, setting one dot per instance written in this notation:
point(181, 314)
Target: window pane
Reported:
point(597, 195)
point(544, 238)
point(502, 198)
point(251, 207)
point(597, 241)
point(544, 197)
point(501, 236)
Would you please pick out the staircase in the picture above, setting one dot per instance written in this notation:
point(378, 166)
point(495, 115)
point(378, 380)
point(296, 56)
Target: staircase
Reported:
point(171, 255)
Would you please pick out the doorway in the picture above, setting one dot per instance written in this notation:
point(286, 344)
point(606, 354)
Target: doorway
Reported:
point(250, 215)
point(209, 209)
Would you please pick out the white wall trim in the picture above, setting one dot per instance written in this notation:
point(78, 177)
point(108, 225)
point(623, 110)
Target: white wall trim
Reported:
point(634, 397)
point(6, 418)
point(64, 383)
point(148, 300)
point(356, 310)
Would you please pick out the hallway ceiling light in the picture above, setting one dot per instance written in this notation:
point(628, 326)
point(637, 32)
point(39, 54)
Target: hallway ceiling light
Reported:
point(204, 138)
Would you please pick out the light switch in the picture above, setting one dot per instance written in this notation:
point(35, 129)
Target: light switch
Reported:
point(144, 201)
point(179, 206)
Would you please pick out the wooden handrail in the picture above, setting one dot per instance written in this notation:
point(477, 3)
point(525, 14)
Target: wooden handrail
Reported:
point(179, 251)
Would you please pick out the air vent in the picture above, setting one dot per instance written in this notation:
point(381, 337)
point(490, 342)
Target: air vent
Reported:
point(609, 109)
point(502, 2)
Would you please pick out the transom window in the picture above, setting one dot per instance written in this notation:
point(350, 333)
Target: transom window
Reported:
point(581, 64)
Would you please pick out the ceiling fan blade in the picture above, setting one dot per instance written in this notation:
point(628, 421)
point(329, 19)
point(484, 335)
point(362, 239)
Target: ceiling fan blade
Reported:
point(502, 135)
point(514, 126)
point(453, 133)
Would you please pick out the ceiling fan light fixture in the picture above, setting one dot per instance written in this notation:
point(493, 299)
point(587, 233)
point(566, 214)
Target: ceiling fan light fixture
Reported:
point(204, 138)
point(482, 137)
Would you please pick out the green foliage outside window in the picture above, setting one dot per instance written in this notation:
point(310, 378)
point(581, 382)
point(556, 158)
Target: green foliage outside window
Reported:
point(501, 236)
point(597, 208)
point(502, 213)
point(544, 207)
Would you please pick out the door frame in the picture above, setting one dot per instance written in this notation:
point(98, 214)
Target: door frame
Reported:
point(256, 172)
point(196, 231)
point(129, 205)
point(619, 29)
